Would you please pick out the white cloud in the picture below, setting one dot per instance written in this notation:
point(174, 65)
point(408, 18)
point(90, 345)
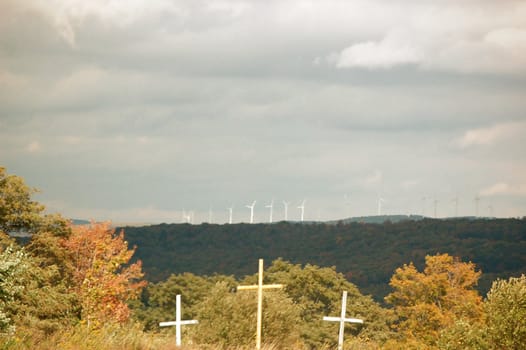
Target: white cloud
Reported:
point(33, 147)
point(374, 178)
point(231, 8)
point(491, 135)
point(67, 15)
point(72, 140)
point(514, 38)
point(384, 54)
point(409, 184)
point(143, 140)
point(80, 81)
point(504, 189)
point(480, 37)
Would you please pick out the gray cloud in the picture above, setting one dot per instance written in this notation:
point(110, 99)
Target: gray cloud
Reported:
point(136, 111)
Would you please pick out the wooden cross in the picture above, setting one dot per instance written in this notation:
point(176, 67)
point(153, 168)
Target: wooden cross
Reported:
point(260, 286)
point(177, 323)
point(342, 320)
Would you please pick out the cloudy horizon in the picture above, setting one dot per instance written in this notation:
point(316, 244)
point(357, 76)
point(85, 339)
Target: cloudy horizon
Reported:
point(146, 110)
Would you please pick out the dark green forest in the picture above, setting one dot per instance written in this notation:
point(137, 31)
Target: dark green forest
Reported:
point(366, 254)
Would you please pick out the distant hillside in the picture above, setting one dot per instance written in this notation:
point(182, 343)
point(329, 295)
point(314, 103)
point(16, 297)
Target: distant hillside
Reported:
point(378, 219)
point(80, 222)
point(367, 254)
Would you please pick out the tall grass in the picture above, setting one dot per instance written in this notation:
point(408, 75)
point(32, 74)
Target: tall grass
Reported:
point(128, 337)
point(108, 337)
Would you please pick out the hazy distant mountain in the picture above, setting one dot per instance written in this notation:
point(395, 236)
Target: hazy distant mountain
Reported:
point(80, 222)
point(378, 219)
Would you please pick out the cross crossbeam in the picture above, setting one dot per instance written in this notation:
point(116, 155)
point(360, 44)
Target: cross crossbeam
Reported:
point(342, 319)
point(178, 322)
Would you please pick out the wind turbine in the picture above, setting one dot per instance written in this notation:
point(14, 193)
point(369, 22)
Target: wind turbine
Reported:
point(230, 214)
point(286, 205)
point(435, 203)
point(210, 215)
point(424, 206)
point(456, 205)
point(477, 199)
point(302, 207)
point(271, 206)
point(347, 205)
point(380, 201)
point(186, 216)
point(251, 207)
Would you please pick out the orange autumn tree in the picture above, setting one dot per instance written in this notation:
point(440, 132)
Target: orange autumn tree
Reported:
point(431, 301)
point(103, 278)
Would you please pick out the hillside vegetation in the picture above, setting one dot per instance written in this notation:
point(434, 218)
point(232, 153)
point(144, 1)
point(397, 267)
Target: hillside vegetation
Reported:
point(367, 254)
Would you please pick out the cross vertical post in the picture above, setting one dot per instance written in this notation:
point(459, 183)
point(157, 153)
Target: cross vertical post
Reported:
point(177, 323)
point(260, 286)
point(342, 320)
point(260, 304)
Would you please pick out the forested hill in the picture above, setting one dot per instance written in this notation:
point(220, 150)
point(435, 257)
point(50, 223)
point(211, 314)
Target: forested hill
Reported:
point(367, 254)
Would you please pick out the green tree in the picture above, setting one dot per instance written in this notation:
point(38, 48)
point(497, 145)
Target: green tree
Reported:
point(18, 212)
point(12, 266)
point(318, 292)
point(158, 301)
point(35, 296)
point(39, 298)
point(464, 335)
point(48, 301)
point(505, 309)
point(44, 303)
point(229, 319)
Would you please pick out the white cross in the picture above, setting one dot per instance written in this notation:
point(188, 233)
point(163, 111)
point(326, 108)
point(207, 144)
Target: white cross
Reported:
point(342, 320)
point(177, 323)
point(260, 286)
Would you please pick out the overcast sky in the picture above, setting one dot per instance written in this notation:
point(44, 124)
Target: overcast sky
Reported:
point(138, 110)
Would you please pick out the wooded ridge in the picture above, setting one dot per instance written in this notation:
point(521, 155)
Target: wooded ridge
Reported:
point(367, 254)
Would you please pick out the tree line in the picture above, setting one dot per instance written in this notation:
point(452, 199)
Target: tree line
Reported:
point(77, 287)
point(367, 254)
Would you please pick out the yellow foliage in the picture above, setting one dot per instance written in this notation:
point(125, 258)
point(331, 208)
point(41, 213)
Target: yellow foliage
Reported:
point(430, 301)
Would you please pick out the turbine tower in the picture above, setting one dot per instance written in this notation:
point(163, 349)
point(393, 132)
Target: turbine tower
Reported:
point(347, 203)
point(187, 216)
point(477, 199)
point(302, 207)
point(455, 200)
point(380, 201)
point(271, 206)
point(251, 207)
point(286, 206)
point(230, 214)
point(435, 203)
point(210, 215)
point(424, 206)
